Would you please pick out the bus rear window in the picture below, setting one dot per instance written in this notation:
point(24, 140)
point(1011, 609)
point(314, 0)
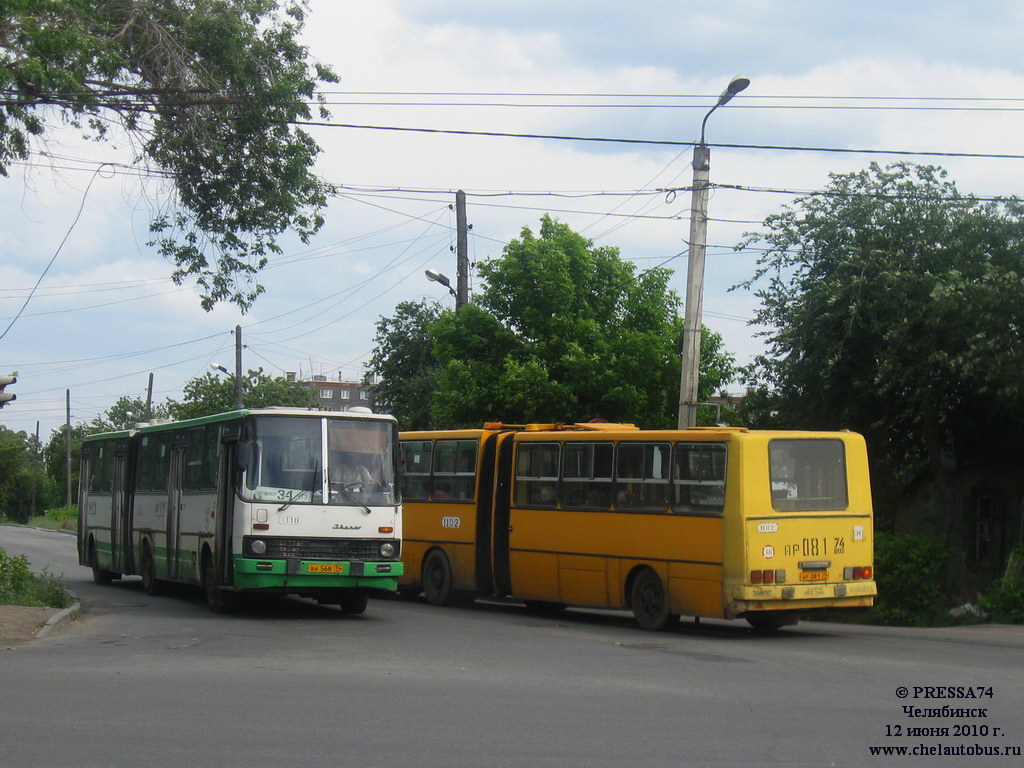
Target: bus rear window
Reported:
point(807, 475)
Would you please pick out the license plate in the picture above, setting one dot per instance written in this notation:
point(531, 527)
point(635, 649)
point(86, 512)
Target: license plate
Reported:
point(325, 568)
point(814, 576)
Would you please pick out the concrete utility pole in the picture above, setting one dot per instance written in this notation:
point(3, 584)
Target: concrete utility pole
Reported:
point(689, 377)
point(67, 448)
point(238, 367)
point(462, 251)
point(148, 416)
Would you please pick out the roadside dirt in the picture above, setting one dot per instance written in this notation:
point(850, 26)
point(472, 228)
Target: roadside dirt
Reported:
point(20, 623)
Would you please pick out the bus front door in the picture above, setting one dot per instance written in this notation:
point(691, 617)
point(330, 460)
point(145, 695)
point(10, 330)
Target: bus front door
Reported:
point(225, 512)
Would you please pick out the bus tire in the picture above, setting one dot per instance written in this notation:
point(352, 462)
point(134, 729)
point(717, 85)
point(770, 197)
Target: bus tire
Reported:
point(99, 575)
point(437, 579)
point(151, 585)
point(354, 601)
point(217, 599)
point(650, 603)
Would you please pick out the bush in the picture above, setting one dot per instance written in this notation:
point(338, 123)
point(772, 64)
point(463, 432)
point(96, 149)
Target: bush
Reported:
point(19, 586)
point(62, 518)
point(912, 573)
point(1004, 600)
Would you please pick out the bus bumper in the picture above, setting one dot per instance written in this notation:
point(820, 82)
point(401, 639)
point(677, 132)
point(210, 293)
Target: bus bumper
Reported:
point(800, 597)
point(253, 573)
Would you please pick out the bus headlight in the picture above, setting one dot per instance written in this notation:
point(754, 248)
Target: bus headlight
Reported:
point(387, 549)
point(258, 546)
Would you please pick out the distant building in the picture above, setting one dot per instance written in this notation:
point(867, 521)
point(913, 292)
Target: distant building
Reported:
point(337, 395)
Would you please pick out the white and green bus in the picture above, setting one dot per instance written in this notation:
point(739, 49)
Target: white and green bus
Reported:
point(276, 500)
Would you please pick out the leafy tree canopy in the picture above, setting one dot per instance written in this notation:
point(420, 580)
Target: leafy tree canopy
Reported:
point(403, 360)
point(207, 92)
point(209, 394)
point(562, 331)
point(896, 305)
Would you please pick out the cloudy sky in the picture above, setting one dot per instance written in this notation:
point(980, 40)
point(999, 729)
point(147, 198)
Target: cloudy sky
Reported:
point(910, 76)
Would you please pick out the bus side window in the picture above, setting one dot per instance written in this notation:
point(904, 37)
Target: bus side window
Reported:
point(416, 477)
point(454, 475)
point(699, 478)
point(642, 476)
point(537, 475)
point(587, 475)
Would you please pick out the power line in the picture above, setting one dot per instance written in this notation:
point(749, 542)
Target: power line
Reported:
point(67, 234)
point(654, 142)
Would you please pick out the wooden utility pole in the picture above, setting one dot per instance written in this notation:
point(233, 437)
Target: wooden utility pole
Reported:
point(67, 447)
point(462, 251)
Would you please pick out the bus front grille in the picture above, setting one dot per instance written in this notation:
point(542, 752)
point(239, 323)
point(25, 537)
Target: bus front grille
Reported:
point(323, 549)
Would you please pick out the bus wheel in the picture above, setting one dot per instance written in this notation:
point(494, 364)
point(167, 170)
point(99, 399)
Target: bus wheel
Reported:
point(437, 579)
point(354, 601)
point(151, 585)
point(769, 622)
point(649, 604)
point(218, 600)
point(99, 575)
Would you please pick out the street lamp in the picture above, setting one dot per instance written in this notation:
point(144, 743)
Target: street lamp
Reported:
point(435, 276)
point(690, 373)
point(238, 383)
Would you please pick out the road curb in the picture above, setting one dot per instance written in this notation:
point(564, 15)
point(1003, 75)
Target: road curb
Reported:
point(61, 617)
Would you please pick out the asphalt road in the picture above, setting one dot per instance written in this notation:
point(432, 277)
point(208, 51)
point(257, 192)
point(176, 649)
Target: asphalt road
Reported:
point(160, 681)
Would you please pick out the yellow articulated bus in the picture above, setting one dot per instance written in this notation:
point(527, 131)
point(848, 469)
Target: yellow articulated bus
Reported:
point(715, 522)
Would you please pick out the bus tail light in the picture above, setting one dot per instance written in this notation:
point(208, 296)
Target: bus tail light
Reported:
point(857, 572)
point(755, 577)
point(385, 529)
point(769, 577)
point(261, 526)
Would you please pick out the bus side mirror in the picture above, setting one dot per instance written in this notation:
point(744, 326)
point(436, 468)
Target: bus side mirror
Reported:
point(243, 453)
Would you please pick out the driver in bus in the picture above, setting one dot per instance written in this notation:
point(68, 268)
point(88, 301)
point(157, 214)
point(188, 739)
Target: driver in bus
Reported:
point(347, 471)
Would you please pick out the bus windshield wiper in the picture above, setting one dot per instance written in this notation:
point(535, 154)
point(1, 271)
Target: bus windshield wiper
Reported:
point(348, 495)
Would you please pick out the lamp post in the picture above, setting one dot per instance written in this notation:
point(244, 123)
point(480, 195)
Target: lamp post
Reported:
point(237, 382)
point(690, 374)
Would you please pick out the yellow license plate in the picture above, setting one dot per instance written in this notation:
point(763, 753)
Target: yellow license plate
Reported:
point(814, 576)
point(325, 568)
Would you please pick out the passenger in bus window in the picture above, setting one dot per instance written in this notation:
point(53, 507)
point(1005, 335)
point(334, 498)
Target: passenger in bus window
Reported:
point(548, 495)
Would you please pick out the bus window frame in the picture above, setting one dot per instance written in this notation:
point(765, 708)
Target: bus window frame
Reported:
point(667, 482)
point(801, 505)
point(453, 477)
point(678, 509)
point(592, 480)
point(557, 478)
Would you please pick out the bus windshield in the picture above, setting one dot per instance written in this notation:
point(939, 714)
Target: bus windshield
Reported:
point(287, 461)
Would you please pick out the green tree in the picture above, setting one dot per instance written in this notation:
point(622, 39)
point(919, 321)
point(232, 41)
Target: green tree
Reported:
point(207, 92)
point(125, 413)
point(562, 331)
point(896, 305)
point(209, 394)
point(403, 363)
point(20, 471)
